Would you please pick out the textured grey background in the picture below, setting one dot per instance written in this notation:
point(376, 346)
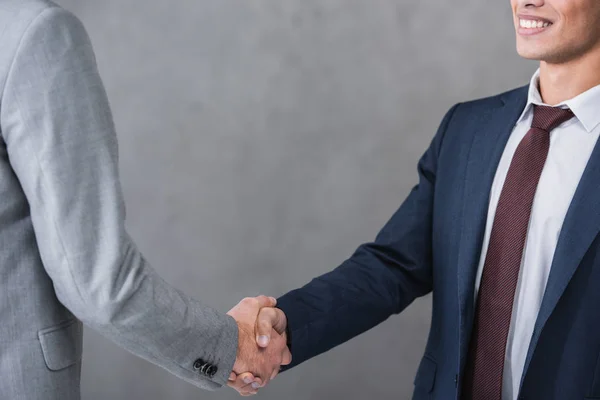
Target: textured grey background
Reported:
point(262, 141)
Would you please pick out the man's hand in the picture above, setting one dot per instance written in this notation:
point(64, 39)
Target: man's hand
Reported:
point(270, 327)
point(261, 348)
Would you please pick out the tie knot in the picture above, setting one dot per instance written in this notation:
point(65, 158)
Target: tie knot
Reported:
point(548, 118)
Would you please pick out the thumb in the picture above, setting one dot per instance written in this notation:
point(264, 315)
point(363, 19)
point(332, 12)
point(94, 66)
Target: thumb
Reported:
point(268, 319)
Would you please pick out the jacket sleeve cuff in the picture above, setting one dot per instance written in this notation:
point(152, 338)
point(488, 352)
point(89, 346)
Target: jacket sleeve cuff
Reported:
point(226, 351)
point(294, 330)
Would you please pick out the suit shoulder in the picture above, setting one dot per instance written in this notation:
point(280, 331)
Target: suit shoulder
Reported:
point(493, 101)
point(35, 27)
point(39, 24)
point(15, 14)
point(467, 109)
point(469, 113)
point(21, 16)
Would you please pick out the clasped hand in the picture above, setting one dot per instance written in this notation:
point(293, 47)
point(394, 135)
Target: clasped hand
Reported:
point(262, 344)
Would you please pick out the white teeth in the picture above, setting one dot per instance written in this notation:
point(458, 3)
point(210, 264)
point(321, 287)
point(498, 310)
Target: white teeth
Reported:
point(530, 24)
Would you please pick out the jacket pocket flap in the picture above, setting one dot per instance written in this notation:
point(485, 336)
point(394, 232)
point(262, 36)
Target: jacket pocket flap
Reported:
point(426, 373)
point(62, 344)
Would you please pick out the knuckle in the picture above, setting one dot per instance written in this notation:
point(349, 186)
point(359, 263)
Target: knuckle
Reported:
point(250, 301)
point(264, 324)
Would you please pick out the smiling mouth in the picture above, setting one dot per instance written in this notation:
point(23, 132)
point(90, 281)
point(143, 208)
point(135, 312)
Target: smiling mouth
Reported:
point(533, 23)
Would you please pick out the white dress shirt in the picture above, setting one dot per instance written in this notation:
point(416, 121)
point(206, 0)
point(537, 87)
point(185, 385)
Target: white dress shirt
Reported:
point(570, 147)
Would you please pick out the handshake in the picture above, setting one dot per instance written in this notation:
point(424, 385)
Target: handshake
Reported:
point(262, 344)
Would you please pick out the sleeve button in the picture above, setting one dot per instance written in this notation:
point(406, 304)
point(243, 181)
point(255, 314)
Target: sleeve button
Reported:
point(211, 371)
point(199, 363)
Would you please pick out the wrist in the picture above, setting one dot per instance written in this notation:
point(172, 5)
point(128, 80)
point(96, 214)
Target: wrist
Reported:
point(241, 361)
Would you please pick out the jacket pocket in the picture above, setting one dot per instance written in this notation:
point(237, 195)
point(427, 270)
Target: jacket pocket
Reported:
point(425, 378)
point(62, 344)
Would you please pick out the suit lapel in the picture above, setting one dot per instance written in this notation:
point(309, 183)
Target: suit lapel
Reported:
point(492, 130)
point(580, 228)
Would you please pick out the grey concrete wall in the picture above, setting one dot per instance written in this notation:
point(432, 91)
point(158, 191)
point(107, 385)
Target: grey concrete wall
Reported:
point(262, 141)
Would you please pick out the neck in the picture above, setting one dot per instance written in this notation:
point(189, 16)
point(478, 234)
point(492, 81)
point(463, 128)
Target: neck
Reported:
point(561, 82)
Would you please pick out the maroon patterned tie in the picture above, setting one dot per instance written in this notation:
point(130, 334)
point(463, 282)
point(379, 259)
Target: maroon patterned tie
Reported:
point(485, 362)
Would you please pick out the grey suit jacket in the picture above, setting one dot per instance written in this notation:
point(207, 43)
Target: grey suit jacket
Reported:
point(65, 257)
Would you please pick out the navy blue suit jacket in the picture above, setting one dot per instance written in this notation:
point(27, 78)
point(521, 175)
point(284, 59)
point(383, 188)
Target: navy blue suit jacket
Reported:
point(433, 244)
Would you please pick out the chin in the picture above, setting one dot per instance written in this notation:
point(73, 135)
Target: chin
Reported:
point(531, 54)
point(537, 52)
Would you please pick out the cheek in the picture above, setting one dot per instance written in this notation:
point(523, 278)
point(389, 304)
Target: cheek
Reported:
point(513, 5)
point(576, 19)
point(578, 14)
point(582, 26)
point(593, 16)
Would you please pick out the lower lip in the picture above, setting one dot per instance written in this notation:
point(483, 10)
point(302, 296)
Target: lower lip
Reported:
point(532, 31)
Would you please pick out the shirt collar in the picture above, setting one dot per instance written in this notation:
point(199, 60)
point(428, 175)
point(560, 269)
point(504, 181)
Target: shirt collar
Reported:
point(586, 106)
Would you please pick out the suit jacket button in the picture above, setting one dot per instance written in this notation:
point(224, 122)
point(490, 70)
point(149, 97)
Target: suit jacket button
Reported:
point(211, 371)
point(199, 363)
point(204, 368)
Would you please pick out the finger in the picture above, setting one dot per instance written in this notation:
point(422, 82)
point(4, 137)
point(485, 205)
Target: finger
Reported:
point(232, 376)
point(253, 387)
point(236, 387)
point(243, 383)
point(267, 318)
point(245, 379)
point(277, 317)
point(271, 363)
point(264, 301)
point(274, 374)
point(237, 384)
point(281, 322)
